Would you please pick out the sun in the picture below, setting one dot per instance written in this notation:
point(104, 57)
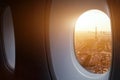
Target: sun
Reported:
point(91, 19)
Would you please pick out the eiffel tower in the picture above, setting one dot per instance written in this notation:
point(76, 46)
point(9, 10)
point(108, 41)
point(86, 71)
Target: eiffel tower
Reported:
point(96, 34)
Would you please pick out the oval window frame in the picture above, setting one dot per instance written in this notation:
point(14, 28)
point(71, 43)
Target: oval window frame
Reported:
point(8, 39)
point(78, 66)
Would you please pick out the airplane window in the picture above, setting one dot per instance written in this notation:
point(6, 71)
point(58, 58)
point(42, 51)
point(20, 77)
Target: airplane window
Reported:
point(8, 38)
point(93, 41)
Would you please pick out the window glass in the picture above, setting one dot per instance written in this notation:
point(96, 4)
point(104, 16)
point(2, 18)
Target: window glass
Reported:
point(8, 37)
point(93, 41)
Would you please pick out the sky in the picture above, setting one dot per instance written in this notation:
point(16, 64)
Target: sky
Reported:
point(91, 19)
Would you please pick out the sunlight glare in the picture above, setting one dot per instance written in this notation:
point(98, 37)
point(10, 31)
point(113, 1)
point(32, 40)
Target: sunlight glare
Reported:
point(91, 19)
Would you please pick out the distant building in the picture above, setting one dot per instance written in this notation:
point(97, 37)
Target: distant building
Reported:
point(96, 37)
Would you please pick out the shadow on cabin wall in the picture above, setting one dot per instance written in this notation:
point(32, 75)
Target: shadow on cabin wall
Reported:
point(31, 20)
point(114, 7)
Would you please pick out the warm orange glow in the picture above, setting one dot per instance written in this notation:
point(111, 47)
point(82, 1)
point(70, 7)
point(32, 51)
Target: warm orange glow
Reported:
point(91, 19)
point(93, 41)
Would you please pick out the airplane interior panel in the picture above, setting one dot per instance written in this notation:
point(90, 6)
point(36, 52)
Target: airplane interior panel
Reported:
point(59, 40)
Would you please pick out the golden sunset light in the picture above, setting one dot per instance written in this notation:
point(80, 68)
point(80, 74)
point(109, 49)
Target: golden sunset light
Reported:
point(93, 41)
point(92, 19)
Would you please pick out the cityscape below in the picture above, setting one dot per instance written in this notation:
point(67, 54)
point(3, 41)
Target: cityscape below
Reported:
point(94, 50)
